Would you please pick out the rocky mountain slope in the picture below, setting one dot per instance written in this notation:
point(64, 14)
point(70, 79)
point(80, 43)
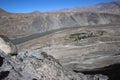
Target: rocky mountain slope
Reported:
point(14, 25)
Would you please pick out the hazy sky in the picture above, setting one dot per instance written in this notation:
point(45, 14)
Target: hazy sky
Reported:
point(23, 6)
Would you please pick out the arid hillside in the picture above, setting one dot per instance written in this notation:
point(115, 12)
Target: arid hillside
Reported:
point(14, 25)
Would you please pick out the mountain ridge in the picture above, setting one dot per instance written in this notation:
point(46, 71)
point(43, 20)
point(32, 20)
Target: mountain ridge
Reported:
point(22, 24)
point(92, 8)
point(101, 8)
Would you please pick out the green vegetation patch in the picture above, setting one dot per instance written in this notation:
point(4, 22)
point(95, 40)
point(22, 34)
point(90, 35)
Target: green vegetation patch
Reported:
point(80, 36)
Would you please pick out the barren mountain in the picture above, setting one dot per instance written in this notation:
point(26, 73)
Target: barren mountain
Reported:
point(14, 25)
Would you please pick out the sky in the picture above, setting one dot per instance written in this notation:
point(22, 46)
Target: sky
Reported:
point(26, 6)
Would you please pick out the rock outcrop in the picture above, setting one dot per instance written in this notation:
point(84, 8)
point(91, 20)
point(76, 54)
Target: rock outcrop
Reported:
point(7, 46)
point(34, 65)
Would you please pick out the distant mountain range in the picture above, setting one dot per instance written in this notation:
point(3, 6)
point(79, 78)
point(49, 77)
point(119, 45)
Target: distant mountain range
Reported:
point(112, 7)
point(20, 24)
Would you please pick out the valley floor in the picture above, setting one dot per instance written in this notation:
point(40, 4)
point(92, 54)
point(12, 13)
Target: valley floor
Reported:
point(79, 49)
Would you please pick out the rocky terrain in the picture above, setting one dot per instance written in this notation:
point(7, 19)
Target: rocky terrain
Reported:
point(80, 42)
point(80, 48)
point(35, 65)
